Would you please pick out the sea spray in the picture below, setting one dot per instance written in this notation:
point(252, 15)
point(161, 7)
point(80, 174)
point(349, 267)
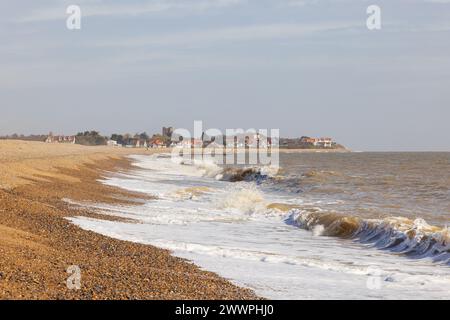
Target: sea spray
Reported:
point(245, 198)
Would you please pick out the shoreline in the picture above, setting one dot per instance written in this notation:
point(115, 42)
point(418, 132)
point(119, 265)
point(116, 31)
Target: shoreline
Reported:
point(38, 243)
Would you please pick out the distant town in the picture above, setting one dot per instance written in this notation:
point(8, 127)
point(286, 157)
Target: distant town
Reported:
point(167, 139)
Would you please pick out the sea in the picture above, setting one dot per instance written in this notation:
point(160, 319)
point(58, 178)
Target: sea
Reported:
point(318, 226)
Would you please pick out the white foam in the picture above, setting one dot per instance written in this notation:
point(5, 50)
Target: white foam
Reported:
point(247, 199)
point(318, 230)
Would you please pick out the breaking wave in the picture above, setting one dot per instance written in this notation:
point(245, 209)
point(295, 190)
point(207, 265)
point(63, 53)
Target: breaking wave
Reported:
point(247, 200)
point(413, 238)
point(251, 174)
point(274, 177)
point(242, 174)
point(208, 168)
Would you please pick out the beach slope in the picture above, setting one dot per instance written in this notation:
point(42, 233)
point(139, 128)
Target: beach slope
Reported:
point(38, 245)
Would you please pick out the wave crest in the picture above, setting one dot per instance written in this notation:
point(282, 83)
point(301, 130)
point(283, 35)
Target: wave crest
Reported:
point(257, 174)
point(414, 238)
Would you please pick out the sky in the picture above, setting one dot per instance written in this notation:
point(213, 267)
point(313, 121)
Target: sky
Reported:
point(306, 67)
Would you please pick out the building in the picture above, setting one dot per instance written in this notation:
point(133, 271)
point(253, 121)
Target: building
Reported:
point(324, 142)
point(60, 139)
point(134, 143)
point(190, 143)
point(307, 141)
point(112, 143)
point(157, 143)
point(316, 142)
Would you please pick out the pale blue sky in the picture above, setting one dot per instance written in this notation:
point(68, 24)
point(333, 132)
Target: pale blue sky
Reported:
point(307, 67)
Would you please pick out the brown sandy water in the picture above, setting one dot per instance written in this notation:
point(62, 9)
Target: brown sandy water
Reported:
point(372, 185)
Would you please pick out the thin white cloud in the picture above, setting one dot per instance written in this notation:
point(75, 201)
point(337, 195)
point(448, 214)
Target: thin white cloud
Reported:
point(97, 9)
point(230, 34)
point(298, 3)
point(438, 1)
